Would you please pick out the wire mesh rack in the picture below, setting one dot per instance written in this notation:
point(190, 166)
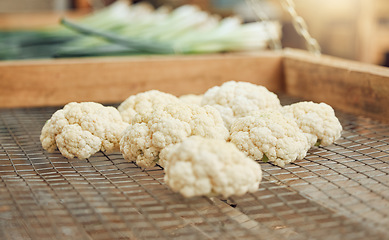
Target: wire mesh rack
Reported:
point(335, 192)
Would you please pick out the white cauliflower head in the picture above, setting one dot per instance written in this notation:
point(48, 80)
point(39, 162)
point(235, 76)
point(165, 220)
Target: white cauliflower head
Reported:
point(143, 102)
point(269, 136)
point(82, 129)
point(152, 131)
point(238, 99)
point(192, 98)
point(317, 119)
point(199, 166)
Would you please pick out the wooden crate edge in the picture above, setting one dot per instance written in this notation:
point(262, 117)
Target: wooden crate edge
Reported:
point(349, 86)
point(110, 80)
point(32, 20)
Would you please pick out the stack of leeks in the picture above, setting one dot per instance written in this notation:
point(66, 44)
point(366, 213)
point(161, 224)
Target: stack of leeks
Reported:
point(123, 29)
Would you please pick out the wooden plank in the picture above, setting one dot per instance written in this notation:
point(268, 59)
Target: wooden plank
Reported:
point(113, 79)
point(10, 21)
point(347, 85)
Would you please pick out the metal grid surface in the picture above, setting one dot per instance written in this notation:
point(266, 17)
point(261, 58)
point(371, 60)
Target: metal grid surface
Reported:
point(336, 192)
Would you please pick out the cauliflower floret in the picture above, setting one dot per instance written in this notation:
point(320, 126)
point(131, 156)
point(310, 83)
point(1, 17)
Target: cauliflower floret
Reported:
point(317, 119)
point(238, 99)
point(192, 98)
point(76, 142)
point(142, 102)
point(152, 131)
point(82, 129)
point(269, 136)
point(199, 166)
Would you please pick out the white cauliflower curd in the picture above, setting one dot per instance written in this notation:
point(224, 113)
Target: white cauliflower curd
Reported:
point(269, 136)
point(168, 124)
point(142, 102)
point(82, 129)
point(192, 98)
point(237, 99)
point(317, 119)
point(199, 166)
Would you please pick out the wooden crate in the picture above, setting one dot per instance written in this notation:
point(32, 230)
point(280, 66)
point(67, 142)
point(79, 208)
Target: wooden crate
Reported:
point(328, 195)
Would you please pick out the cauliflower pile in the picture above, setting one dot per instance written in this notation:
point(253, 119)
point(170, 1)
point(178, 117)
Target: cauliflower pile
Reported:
point(237, 99)
point(206, 143)
point(317, 120)
point(150, 132)
point(264, 130)
point(82, 129)
point(200, 166)
point(270, 136)
point(192, 98)
point(144, 102)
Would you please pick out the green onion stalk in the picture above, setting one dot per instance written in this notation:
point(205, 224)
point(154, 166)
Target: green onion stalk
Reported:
point(122, 29)
point(43, 43)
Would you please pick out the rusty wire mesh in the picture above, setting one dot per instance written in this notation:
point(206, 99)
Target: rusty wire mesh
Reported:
point(336, 192)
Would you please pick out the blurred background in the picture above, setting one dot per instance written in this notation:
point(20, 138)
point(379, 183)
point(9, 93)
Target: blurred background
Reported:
point(350, 29)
